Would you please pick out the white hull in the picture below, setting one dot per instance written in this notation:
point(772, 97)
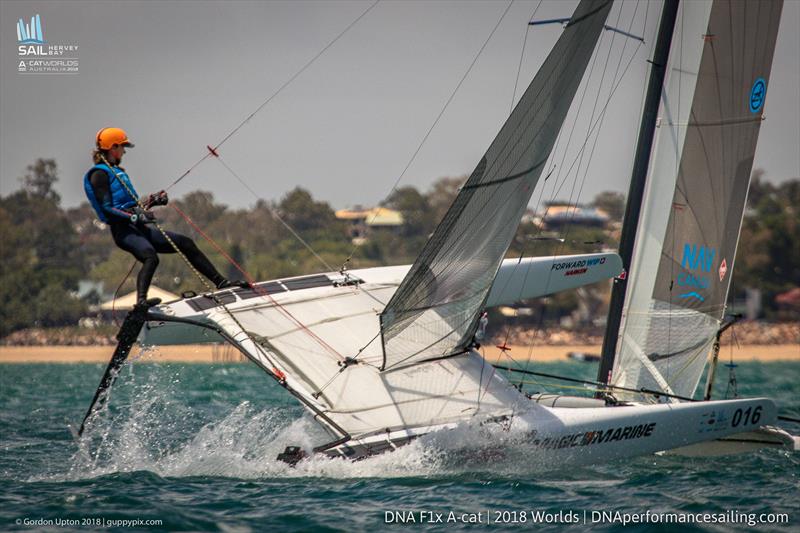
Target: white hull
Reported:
point(595, 435)
point(749, 441)
point(297, 333)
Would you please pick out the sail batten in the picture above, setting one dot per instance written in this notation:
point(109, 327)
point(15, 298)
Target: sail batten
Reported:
point(694, 201)
point(435, 310)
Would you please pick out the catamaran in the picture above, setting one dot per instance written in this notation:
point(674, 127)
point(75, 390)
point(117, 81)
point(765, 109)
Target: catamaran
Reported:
point(381, 356)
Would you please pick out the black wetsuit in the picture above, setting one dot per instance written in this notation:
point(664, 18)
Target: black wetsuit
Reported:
point(145, 242)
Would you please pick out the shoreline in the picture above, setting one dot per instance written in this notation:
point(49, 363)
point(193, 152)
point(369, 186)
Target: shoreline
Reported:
point(212, 353)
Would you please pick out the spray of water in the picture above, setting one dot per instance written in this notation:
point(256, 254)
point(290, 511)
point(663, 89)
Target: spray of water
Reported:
point(150, 424)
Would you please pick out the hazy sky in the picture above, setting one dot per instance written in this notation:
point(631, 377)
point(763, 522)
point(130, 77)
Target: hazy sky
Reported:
point(180, 75)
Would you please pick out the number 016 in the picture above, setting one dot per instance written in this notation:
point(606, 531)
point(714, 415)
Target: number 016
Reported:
point(748, 416)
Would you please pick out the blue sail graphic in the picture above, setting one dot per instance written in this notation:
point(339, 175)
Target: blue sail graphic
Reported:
point(30, 34)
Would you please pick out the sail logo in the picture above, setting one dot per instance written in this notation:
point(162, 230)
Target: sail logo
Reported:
point(37, 56)
point(697, 261)
point(695, 257)
point(576, 272)
point(30, 33)
point(576, 268)
point(600, 436)
point(757, 95)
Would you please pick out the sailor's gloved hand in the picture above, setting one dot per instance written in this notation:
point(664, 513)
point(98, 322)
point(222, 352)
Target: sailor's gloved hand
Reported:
point(157, 198)
point(142, 216)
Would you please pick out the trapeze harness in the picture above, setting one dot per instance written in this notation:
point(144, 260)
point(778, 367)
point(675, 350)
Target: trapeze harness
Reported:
point(114, 205)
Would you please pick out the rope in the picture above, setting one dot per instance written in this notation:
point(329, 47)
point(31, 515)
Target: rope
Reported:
point(211, 289)
point(116, 293)
point(272, 96)
point(255, 287)
point(275, 215)
point(560, 167)
point(419, 148)
point(436, 121)
point(213, 151)
point(521, 55)
point(216, 246)
point(601, 386)
point(557, 385)
point(579, 157)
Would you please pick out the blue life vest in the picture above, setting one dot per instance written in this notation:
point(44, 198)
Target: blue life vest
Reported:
point(120, 197)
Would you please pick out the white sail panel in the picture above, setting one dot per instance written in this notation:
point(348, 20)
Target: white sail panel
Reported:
point(697, 186)
point(360, 398)
point(308, 333)
point(434, 312)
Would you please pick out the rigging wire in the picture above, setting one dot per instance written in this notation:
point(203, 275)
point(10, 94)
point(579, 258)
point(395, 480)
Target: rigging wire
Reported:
point(250, 278)
point(274, 213)
point(591, 70)
point(347, 362)
point(602, 114)
point(116, 294)
point(624, 326)
point(256, 288)
point(596, 124)
point(214, 151)
point(488, 215)
point(448, 102)
point(541, 191)
point(521, 55)
point(436, 121)
point(274, 94)
point(569, 139)
point(601, 386)
point(422, 143)
point(513, 98)
point(600, 119)
point(599, 124)
point(275, 370)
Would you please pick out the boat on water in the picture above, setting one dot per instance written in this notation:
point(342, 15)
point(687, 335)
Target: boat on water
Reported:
point(381, 356)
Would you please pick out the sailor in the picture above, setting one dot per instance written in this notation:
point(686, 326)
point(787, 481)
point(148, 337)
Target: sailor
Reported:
point(114, 199)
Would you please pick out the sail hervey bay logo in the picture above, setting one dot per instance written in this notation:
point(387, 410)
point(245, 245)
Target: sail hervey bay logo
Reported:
point(30, 33)
point(37, 56)
point(697, 262)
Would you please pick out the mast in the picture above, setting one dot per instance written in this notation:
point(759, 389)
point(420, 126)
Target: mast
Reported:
point(636, 189)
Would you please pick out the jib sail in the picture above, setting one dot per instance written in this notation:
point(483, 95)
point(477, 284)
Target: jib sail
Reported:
point(709, 120)
point(434, 312)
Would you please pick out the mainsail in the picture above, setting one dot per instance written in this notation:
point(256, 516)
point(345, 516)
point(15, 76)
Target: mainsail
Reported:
point(434, 312)
point(710, 117)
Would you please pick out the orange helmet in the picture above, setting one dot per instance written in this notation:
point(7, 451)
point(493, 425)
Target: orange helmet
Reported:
point(108, 137)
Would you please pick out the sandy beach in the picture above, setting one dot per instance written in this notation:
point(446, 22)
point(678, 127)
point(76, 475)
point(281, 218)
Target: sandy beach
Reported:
point(190, 353)
point(207, 353)
point(752, 352)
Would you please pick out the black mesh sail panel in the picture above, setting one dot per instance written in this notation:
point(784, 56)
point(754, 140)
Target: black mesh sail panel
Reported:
point(434, 311)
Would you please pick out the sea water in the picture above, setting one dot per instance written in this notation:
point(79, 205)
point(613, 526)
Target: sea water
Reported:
point(188, 447)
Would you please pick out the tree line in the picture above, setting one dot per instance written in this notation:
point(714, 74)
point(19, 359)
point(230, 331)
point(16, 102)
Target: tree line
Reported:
point(48, 249)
